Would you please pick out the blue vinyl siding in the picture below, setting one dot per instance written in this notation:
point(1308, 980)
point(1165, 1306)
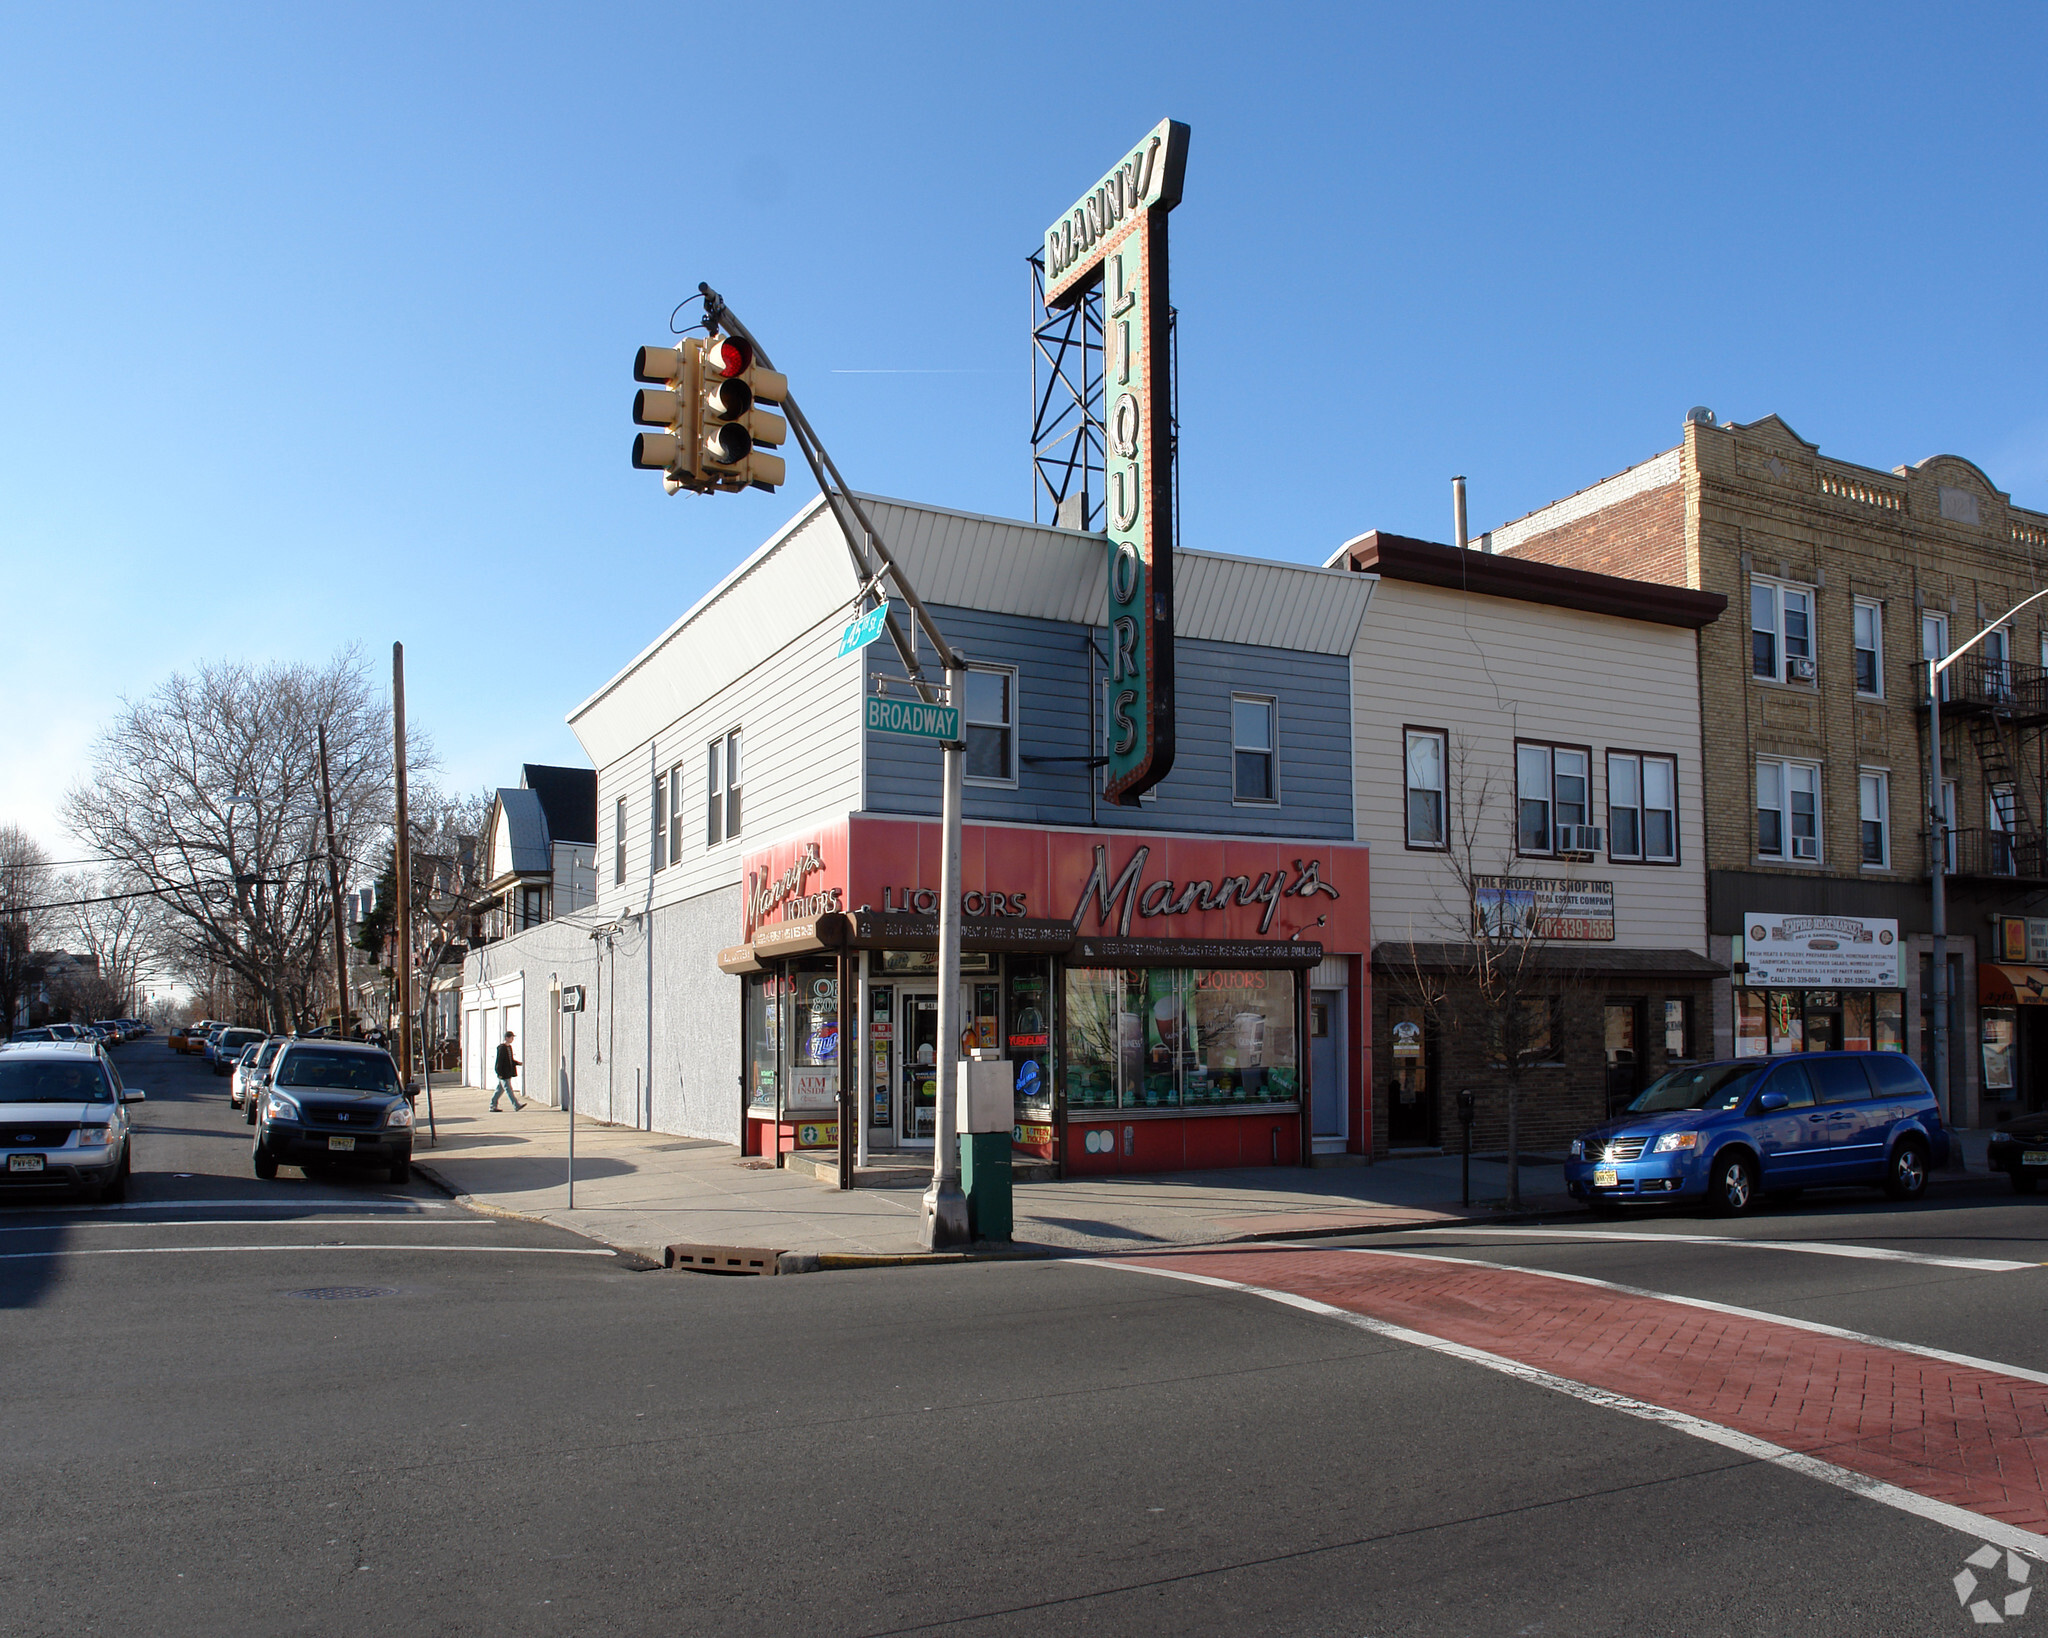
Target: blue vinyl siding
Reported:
point(1057, 718)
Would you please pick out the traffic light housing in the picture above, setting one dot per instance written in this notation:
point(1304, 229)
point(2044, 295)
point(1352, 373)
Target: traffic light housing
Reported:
point(733, 430)
point(706, 395)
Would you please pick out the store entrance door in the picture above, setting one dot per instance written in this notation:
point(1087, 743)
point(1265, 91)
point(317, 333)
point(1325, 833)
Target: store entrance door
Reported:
point(917, 1018)
point(1326, 1068)
point(1411, 1112)
point(1624, 1062)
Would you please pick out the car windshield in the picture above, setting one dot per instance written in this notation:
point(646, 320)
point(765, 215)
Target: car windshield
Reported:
point(47, 1080)
point(1711, 1086)
point(342, 1071)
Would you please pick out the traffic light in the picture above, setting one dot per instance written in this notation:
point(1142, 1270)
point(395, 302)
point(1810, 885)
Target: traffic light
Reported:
point(673, 405)
point(733, 431)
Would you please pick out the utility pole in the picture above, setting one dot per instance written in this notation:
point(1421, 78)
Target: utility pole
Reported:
point(402, 850)
point(334, 896)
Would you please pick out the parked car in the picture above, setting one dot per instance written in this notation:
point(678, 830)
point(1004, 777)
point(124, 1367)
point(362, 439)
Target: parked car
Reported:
point(251, 1073)
point(190, 1037)
point(2019, 1148)
point(1730, 1133)
point(333, 1102)
point(42, 1032)
point(64, 1119)
point(228, 1047)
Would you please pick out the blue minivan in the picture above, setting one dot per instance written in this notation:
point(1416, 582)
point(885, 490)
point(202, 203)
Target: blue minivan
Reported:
point(1730, 1133)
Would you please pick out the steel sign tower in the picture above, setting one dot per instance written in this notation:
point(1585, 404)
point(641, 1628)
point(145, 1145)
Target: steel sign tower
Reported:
point(1115, 236)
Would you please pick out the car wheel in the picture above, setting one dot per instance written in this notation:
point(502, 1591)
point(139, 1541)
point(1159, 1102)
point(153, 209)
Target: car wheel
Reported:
point(2023, 1182)
point(1732, 1188)
point(266, 1163)
point(1906, 1177)
point(116, 1187)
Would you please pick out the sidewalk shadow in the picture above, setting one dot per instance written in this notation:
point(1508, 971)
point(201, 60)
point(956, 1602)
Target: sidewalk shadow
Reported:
point(1087, 1225)
point(520, 1174)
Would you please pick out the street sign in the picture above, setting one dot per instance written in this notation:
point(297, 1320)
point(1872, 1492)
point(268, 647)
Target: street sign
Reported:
point(572, 997)
point(1117, 233)
point(913, 719)
point(864, 630)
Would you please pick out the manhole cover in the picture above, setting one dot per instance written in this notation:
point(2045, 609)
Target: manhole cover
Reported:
point(344, 1293)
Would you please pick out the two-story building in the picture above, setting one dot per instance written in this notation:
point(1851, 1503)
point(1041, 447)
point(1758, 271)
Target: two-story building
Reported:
point(1525, 749)
point(1183, 983)
point(1814, 739)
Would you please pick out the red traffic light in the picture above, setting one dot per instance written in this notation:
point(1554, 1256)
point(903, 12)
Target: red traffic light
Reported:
point(727, 356)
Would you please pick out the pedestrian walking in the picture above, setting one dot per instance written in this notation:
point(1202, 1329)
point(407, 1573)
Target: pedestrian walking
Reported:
point(507, 1066)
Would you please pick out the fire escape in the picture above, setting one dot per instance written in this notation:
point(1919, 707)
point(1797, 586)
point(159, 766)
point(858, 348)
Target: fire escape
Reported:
point(2003, 706)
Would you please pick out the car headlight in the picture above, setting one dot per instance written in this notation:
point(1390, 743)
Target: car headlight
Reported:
point(1578, 1148)
point(401, 1115)
point(95, 1137)
point(1671, 1141)
point(277, 1106)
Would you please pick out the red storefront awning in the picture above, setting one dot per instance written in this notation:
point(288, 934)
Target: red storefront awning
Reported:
point(2002, 986)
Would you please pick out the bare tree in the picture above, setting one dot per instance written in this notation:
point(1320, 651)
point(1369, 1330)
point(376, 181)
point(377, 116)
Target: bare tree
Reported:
point(117, 920)
point(25, 877)
point(1497, 976)
point(208, 793)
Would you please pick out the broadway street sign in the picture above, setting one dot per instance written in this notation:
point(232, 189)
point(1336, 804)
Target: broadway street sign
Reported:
point(1117, 233)
point(913, 719)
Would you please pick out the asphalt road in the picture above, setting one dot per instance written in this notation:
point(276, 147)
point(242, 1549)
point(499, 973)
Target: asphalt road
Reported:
point(515, 1436)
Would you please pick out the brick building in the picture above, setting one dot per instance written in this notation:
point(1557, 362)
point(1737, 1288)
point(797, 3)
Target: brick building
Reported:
point(1813, 742)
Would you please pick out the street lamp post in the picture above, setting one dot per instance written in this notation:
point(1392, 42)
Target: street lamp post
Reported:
point(1938, 855)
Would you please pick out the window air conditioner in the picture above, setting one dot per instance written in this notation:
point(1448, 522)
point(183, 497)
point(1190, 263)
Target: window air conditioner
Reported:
point(1806, 847)
point(1799, 671)
point(1583, 839)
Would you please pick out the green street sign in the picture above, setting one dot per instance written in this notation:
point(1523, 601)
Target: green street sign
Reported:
point(913, 719)
point(864, 630)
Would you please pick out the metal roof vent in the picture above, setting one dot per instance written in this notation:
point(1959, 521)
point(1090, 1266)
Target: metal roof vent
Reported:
point(1700, 416)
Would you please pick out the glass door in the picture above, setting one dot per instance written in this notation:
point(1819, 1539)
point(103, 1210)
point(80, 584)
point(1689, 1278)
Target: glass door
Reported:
point(918, 1020)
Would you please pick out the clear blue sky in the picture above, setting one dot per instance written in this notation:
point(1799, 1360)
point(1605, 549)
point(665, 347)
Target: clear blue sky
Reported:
point(319, 321)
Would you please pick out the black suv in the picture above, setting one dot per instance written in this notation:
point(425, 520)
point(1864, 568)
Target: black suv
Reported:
point(333, 1103)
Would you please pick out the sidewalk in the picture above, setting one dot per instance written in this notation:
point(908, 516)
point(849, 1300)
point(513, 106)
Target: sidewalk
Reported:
point(644, 1191)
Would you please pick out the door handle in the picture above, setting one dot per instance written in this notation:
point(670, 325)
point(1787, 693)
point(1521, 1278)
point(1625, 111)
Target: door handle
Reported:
point(1816, 1118)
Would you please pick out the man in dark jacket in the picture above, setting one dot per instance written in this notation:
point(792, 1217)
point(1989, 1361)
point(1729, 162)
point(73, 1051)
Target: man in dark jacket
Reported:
point(506, 1067)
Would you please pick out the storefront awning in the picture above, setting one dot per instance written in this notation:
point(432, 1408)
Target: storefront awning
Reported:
point(996, 935)
point(738, 959)
point(2001, 986)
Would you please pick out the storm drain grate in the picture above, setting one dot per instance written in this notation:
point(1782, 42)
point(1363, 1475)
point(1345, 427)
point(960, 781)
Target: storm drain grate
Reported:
point(343, 1293)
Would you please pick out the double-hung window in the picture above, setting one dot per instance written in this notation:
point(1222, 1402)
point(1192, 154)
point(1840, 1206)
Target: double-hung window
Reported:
point(1781, 631)
point(722, 789)
point(657, 832)
point(675, 814)
point(1426, 807)
point(991, 721)
point(1553, 789)
point(1254, 777)
point(1997, 652)
point(1934, 643)
point(1873, 798)
point(1642, 807)
point(619, 842)
point(1788, 811)
point(1869, 640)
point(2001, 809)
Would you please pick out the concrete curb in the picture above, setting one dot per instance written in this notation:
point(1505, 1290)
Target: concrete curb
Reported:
point(486, 1208)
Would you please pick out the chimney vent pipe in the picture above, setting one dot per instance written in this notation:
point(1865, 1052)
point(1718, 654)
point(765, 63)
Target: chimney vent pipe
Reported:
point(1458, 514)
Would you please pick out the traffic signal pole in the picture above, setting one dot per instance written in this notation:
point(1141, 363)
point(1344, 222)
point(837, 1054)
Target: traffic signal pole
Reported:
point(944, 1217)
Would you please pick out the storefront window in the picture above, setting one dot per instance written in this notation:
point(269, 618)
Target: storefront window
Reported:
point(1889, 1033)
point(1787, 1021)
point(1998, 1027)
point(1856, 1012)
point(761, 1024)
point(1028, 1034)
point(1751, 1038)
point(1161, 1037)
point(812, 1031)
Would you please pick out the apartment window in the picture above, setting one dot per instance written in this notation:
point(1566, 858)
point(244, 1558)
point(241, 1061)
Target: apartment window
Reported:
point(1934, 643)
point(619, 842)
point(1869, 639)
point(990, 714)
point(722, 789)
point(1788, 811)
point(2001, 811)
point(1553, 789)
point(658, 832)
point(1251, 746)
point(1780, 631)
point(1873, 796)
point(1677, 1028)
point(675, 814)
point(1642, 807)
point(1997, 652)
point(1426, 807)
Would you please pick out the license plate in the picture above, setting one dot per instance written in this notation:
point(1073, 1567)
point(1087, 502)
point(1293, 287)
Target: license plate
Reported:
point(341, 1144)
point(2032, 1157)
point(1606, 1177)
point(34, 1163)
